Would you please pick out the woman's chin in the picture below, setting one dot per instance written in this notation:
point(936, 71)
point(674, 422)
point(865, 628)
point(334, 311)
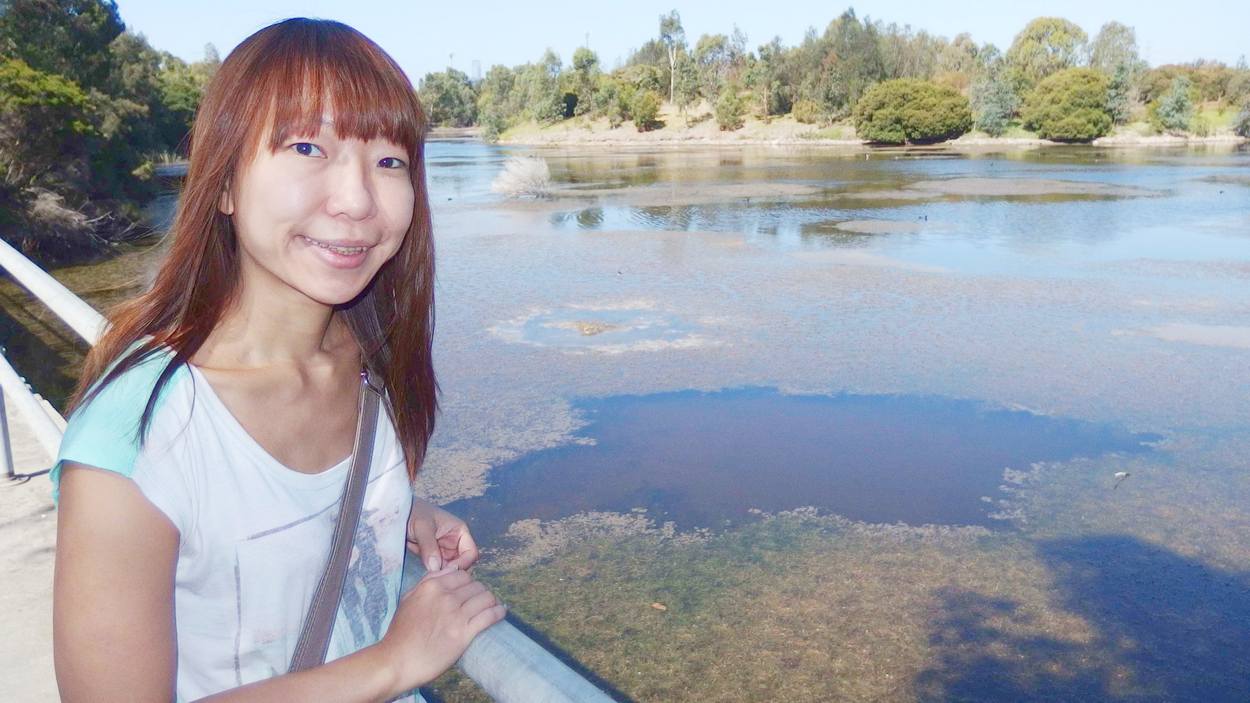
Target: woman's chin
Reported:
point(334, 295)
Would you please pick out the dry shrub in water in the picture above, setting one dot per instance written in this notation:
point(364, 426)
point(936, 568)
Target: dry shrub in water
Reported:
point(523, 177)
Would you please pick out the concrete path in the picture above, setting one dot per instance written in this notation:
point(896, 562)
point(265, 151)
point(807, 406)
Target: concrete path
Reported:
point(27, 546)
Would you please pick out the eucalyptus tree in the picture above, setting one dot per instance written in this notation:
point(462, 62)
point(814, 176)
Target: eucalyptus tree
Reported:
point(673, 37)
point(584, 78)
point(1115, 45)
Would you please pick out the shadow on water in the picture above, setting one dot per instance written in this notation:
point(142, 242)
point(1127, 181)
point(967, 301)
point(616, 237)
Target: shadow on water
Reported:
point(711, 460)
point(1166, 628)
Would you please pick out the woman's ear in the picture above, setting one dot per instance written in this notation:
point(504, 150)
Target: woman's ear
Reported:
point(225, 204)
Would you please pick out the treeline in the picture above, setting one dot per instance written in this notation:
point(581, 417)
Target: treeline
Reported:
point(87, 109)
point(1053, 80)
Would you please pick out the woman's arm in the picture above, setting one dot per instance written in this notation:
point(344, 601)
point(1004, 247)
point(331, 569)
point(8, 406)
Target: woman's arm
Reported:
point(113, 615)
point(113, 591)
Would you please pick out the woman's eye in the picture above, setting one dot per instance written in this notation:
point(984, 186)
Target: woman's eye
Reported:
point(392, 162)
point(306, 149)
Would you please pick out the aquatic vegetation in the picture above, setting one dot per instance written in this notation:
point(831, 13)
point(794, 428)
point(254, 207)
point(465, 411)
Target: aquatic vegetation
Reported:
point(523, 177)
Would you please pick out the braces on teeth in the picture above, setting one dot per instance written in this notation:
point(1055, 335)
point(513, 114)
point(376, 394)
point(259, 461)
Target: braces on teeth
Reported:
point(346, 251)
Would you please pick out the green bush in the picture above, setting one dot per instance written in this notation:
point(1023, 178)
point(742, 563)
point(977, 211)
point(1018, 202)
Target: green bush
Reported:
point(807, 112)
point(1069, 106)
point(729, 109)
point(644, 108)
point(910, 110)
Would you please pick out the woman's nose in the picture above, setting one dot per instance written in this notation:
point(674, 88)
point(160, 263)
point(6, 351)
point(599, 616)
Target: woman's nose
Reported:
point(351, 191)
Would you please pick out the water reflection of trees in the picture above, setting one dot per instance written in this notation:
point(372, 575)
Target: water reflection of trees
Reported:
point(1165, 628)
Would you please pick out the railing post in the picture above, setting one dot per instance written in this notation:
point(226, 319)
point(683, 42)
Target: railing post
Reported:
point(6, 452)
point(46, 430)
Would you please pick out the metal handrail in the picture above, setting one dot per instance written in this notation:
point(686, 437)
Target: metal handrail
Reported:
point(47, 431)
point(508, 665)
point(81, 317)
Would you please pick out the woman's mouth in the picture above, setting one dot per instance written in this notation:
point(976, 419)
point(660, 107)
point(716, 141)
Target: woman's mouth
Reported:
point(337, 249)
point(337, 254)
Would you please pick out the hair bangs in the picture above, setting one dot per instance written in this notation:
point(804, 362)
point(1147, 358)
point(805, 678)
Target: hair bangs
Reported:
point(328, 70)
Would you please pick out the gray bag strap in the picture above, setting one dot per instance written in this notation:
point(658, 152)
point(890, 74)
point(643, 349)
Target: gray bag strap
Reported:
point(314, 639)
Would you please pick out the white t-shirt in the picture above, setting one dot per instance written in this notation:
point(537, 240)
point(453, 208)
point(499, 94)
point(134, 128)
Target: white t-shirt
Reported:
point(254, 534)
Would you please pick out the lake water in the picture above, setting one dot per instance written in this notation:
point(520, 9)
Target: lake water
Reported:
point(815, 424)
point(712, 460)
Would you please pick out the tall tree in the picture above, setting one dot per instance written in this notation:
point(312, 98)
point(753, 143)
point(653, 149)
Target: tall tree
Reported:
point(584, 78)
point(686, 82)
point(1045, 46)
point(850, 62)
point(1115, 45)
point(711, 59)
point(958, 56)
point(673, 36)
point(767, 78)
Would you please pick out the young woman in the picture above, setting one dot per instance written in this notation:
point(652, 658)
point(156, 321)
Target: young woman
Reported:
point(200, 475)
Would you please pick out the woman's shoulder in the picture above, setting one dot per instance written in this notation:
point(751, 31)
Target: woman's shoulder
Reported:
point(104, 431)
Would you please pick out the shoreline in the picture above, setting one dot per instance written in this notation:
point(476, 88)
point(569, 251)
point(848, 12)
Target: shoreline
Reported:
point(976, 142)
point(785, 131)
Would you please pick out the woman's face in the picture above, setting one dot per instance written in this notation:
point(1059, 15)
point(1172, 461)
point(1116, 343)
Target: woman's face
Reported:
point(320, 215)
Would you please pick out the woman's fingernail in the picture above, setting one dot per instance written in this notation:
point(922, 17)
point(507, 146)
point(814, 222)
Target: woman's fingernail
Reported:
point(432, 564)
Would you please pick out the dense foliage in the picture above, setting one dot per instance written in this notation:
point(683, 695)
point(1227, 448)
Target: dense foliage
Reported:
point(448, 98)
point(911, 111)
point(86, 108)
point(1069, 106)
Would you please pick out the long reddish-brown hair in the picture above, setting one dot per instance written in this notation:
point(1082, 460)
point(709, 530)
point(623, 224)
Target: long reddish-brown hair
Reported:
point(282, 77)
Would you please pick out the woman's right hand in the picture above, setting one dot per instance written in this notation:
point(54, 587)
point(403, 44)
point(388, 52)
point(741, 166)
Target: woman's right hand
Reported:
point(434, 624)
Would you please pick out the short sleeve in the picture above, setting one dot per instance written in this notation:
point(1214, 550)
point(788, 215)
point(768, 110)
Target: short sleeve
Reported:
point(104, 432)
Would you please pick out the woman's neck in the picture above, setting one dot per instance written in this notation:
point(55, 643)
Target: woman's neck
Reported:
point(275, 328)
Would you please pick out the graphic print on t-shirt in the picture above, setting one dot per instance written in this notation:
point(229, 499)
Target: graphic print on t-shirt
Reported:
point(263, 640)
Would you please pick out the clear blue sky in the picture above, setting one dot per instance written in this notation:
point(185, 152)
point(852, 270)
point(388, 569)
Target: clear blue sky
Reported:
point(424, 36)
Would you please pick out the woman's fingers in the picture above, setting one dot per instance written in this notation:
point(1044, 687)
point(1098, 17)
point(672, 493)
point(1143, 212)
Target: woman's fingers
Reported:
point(468, 591)
point(479, 602)
point(459, 547)
point(486, 618)
point(421, 533)
point(448, 578)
